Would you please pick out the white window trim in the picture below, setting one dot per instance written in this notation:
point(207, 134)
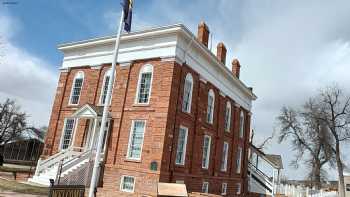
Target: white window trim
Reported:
point(229, 108)
point(138, 85)
point(73, 85)
point(241, 124)
point(122, 183)
point(188, 77)
point(207, 187)
point(129, 142)
point(207, 161)
point(108, 72)
point(239, 166)
point(185, 146)
point(223, 188)
point(63, 130)
point(224, 159)
point(211, 120)
point(238, 188)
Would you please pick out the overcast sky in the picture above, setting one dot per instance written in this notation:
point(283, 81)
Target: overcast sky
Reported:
point(288, 49)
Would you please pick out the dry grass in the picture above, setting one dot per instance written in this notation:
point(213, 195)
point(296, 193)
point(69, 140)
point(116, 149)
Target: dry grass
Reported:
point(8, 185)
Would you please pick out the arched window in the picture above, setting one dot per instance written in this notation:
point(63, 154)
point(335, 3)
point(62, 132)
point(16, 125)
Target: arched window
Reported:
point(187, 96)
point(210, 108)
point(144, 84)
point(76, 88)
point(228, 117)
point(104, 88)
point(241, 124)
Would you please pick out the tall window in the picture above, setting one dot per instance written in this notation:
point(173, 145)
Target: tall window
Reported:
point(136, 139)
point(241, 124)
point(239, 160)
point(205, 187)
point(206, 151)
point(210, 109)
point(224, 157)
point(104, 88)
point(76, 88)
point(144, 84)
point(238, 188)
point(181, 146)
point(67, 133)
point(228, 117)
point(127, 184)
point(187, 97)
point(224, 189)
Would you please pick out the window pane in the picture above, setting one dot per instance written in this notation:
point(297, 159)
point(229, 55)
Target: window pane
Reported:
point(241, 123)
point(224, 157)
point(205, 187)
point(186, 104)
point(128, 183)
point(210, 108)
point(136, 140)
point(181, 146)
point(104, 90)
point(68, 131)
point(224, 188)
point(78, 82)
point(239, 160)
point(206, 152)
point(144, 87)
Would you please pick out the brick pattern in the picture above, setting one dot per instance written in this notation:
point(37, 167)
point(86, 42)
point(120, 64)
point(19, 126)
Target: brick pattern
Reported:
point(163, 117)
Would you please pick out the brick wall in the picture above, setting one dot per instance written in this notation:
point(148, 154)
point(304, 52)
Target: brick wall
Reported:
point(163, 117)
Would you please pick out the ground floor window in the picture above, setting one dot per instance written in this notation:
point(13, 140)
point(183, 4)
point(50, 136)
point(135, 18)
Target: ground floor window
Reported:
point(238, 188)
point(348, 187)
point(67, 133)
point(127, 184)
point(205, 187)
point(224, 189)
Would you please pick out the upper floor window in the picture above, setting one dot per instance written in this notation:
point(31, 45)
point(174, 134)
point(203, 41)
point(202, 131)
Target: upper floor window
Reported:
point(181, 146)
point(104, 88)
point(224, 157)
point(206, 151)
point(187, 97)
point(239, 160)
point(228, 117)
point(241, 124)
point(76, 88)
point(210, 108)
point(136, 139)
point(144, 84)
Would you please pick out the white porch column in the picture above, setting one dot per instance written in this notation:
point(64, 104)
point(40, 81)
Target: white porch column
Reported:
point(76, 123)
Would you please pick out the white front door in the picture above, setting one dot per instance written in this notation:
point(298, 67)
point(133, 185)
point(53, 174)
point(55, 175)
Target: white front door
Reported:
point(95, 132)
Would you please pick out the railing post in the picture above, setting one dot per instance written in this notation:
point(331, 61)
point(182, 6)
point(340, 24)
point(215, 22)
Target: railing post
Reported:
point(37, 167)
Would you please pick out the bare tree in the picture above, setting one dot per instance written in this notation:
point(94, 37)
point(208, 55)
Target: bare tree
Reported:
point(334, 112)
point(307, 135)
point(12, 121)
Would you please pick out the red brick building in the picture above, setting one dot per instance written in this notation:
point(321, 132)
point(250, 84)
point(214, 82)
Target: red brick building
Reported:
point(177, 114)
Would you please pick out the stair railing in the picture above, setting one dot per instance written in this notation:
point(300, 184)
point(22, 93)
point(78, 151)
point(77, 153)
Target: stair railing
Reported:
point(56, 158)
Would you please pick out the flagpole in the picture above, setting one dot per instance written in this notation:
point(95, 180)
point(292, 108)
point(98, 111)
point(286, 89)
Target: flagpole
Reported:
point(95, 174)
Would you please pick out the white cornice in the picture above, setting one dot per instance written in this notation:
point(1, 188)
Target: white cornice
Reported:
point(168, 43)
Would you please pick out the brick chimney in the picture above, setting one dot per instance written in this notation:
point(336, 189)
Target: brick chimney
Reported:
point(221, 53)
point(236, 67)
point(203, 33)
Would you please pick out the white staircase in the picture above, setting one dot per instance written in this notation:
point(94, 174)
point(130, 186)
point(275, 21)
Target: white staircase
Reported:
point(61, 165)
point(259, 182)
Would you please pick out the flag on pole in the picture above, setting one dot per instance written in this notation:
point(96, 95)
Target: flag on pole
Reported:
point(127, 8)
